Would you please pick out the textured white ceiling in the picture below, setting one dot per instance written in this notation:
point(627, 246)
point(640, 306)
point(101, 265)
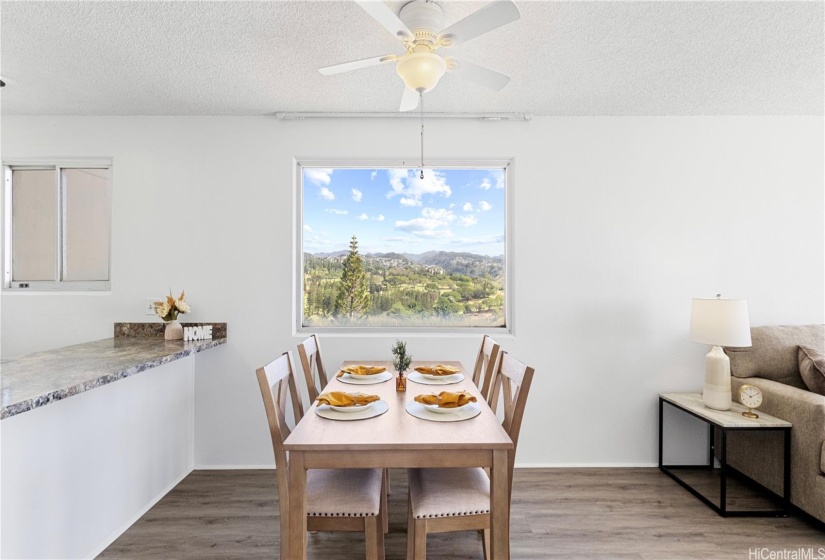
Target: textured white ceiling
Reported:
point(565, 58)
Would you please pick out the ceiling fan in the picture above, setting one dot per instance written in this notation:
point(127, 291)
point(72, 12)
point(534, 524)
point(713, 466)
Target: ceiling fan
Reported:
point(420, 27)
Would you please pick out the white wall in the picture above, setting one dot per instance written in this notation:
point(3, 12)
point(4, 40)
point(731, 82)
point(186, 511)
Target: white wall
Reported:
point(619, 223)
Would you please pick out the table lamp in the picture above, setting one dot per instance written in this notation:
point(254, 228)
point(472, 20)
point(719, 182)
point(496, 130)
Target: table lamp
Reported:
point(719, 322)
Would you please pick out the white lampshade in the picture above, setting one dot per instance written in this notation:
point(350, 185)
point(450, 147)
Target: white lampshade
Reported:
point(421, 70)
point(720, 322)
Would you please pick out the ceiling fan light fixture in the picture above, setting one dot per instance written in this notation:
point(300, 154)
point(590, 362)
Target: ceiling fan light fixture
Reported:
point(421, 71)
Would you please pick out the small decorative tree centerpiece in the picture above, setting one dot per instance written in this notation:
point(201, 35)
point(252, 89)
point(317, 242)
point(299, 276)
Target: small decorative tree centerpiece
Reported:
point(401, 361)
point(168, 311)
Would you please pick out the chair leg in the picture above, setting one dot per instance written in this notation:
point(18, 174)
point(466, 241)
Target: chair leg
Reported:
point(420, 539)
point(485, 543)
point(385, 512)
point(374, 536)
point(410, 532)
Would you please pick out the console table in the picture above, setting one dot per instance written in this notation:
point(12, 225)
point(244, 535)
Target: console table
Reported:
point(726, 421)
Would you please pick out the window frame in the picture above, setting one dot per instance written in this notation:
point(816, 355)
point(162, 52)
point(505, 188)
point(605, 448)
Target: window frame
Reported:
point(58, 285)
point(506, 163)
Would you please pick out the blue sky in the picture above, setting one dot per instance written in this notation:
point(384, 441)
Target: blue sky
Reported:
point(394, 210)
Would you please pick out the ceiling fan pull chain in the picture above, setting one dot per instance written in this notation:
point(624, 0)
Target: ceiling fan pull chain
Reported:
point(421, 102)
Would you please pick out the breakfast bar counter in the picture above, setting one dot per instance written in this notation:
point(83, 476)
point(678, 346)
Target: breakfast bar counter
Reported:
point(94, 434)
point(35, 380)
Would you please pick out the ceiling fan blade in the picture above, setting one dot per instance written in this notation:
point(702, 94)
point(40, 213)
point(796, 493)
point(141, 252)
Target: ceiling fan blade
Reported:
point(386, 17)
point(409, 100)
point(478, 74)
point(491, 16)
point(356, 64)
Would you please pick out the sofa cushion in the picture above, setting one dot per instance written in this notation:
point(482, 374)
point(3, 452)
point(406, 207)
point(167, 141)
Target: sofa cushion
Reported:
point(774, 352)
point(812, 369)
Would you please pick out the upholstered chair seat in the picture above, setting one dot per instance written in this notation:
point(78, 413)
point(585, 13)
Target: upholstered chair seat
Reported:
point(343, 492)
point(448, 492)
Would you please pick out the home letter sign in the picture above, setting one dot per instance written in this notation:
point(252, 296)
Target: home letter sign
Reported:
point(203, 332)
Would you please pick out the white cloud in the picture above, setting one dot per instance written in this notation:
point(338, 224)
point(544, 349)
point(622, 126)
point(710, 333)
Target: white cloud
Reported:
point(372, 175)
point(379, 218)
point(468, 220)
point(438, 214)
point(408, 202)
point(408, 184)
point(468, 207)
point(400, 239)
point(337, 212)
point(499, 179)
point(424, 227)
point(483, 205)
point(434, 222)
point(363, 217)
point(326, 194)
point(485, 184)
point(357, 195)
point(307, 228)
point(317, 175)
point(419, 224)
point(452, 205)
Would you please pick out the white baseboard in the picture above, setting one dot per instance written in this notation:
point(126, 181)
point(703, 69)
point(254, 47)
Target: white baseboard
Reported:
point(583, 465)
point(113, 537)
point(268, 466)
point(518, 466)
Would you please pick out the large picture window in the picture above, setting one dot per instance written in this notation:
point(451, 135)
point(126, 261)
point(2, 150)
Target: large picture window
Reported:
point(383, 247)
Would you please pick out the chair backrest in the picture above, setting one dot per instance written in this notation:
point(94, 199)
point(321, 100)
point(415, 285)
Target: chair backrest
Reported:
point(485, 368)
point(310, 353)
point(512, 381)
point(275, 380)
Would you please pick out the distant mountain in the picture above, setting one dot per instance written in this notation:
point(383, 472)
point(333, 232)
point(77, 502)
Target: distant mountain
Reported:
point(328, 255)
point(468, 264)
point(397, 256)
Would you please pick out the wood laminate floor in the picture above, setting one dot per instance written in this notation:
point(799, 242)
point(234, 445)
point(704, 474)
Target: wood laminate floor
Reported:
point(572, 514)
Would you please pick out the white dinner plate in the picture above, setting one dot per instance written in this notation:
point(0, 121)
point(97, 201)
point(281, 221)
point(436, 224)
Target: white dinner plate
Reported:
point(365, 379)
point(438, 410)
point(377, 409)
point(466, 412)
point(416, 377)
point(351, 409)
point(436, 377)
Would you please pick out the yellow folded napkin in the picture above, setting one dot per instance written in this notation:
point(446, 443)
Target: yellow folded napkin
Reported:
point(340, 398)
point(361, 370)
point(440, 369)
point(447, 399)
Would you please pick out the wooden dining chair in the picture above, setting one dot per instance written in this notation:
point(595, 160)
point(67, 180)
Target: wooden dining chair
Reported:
point(485, 367)
point(458, 499)
point(310, 353)
point(337, 499)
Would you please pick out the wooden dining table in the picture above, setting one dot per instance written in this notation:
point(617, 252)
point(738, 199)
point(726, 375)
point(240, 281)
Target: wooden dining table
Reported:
point(396, 439)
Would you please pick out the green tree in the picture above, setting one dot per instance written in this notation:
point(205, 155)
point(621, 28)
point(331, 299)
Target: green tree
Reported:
point(353, 297)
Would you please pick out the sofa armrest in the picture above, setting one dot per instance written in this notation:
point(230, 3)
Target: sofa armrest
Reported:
point(758, 456)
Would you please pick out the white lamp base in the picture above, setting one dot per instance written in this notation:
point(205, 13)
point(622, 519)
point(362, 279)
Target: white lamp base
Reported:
point(716, 394)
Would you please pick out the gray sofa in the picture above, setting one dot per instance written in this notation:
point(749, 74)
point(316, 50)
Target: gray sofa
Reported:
point(771, 364)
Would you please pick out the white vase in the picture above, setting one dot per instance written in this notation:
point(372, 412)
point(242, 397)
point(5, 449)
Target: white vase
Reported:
point(174, 331)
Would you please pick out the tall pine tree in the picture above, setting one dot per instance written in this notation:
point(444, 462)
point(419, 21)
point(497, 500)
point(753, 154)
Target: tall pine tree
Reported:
point(353, 297)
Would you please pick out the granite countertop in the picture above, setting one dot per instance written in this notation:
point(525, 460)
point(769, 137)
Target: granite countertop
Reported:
point(35, 380)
